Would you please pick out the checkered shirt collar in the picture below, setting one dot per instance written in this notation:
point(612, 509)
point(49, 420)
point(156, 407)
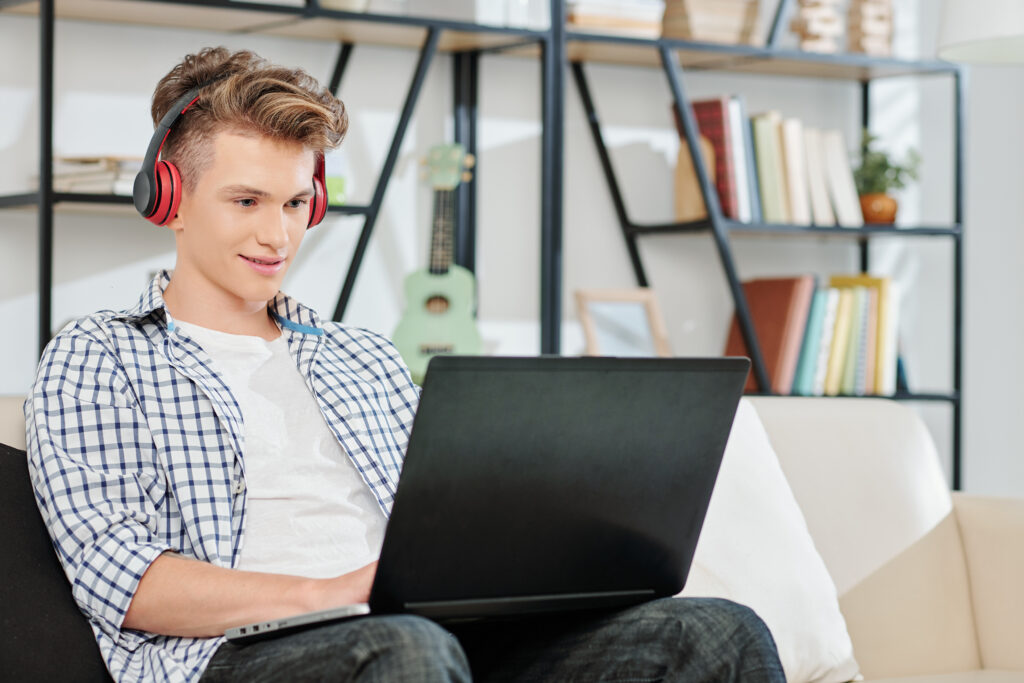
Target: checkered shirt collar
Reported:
point(287, 311)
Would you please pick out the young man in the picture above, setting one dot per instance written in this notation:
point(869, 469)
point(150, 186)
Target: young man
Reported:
point(219, 455)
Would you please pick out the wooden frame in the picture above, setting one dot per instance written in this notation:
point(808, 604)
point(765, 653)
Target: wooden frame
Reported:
point(655, 342)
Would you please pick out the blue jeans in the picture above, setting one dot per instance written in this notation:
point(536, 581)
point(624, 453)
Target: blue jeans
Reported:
point(692, 639)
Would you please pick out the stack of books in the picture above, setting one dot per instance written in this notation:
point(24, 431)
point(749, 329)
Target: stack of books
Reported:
point(640, 18)
point(838, 339)
point(95, 175)
point(776, 170)
point(715, 21)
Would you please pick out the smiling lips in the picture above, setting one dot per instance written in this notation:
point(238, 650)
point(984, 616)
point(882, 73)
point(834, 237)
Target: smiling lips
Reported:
point(264, 266)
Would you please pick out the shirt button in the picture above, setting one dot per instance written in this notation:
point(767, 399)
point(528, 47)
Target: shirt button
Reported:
point(240, 486)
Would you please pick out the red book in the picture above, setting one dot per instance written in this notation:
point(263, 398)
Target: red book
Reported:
point(779, 308)
point(713, 120)
point(713, 123)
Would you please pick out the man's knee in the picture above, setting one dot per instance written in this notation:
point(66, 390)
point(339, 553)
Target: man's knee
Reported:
point(410, 648)
point(727, 618)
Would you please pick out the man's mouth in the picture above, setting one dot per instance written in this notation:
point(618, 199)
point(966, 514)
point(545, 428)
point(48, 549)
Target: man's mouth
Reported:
point(263, 261)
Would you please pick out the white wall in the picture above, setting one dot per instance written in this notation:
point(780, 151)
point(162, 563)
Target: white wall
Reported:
point(105, 77)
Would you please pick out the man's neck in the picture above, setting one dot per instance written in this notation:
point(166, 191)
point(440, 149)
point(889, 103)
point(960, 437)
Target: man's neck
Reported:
point(214, 309)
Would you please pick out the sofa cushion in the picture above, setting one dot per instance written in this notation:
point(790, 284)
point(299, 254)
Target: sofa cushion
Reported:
point(989, 676)
point(12, 421)
point(993, 535)
point(868, 479)
point(45, 636)
point(755, 549)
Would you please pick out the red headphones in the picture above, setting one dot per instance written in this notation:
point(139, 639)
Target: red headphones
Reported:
point(157, 189)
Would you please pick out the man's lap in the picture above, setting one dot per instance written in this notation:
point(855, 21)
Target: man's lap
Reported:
point(669, 639)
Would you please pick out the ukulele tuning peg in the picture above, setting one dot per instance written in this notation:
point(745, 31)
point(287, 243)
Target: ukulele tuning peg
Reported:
point(467, 176)
point(470, 161)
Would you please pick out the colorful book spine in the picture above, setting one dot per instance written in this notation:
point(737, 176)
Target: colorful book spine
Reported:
point(741, 175)
point(840, 343)
point(769, 169)
point(803, 383)
point(714, 123)
point(828, 330)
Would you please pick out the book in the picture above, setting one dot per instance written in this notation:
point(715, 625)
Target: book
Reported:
point(769, 168)
point(741, 174)
point(889, 336)
point(866, 381)
point(821, 207)
point(778, 308)
point(794, 163)
point(756, 215)
point(840, 343)
point(883, 335)
point(715, 124)
point(839, 179)
point(856, 345)
point(828, 329)
point(803, 382)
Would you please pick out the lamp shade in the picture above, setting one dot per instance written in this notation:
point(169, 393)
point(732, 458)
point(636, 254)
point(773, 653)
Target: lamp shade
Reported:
point(982, 31)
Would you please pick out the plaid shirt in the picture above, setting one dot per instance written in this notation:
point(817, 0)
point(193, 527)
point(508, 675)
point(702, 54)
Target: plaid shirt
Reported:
point(136, 447)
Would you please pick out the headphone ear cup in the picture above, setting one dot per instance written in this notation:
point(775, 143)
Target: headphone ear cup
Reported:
point(168, 193)
point(318, 203)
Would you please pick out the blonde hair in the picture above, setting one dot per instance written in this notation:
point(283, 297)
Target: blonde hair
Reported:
point(247, 95)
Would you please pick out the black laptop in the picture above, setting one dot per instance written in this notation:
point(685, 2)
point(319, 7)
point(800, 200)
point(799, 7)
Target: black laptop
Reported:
point(548, 484)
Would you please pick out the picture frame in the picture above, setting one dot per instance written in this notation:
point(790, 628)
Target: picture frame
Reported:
point(622, 322)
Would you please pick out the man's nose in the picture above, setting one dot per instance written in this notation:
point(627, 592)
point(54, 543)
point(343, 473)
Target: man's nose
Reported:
point(274, 230)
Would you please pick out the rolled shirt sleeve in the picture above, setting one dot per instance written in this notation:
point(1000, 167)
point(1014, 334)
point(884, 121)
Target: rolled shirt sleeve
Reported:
point(93, 469)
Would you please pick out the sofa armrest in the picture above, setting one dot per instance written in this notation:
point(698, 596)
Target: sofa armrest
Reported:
point(993, 536)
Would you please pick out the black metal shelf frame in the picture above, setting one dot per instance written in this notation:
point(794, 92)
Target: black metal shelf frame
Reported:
point(466, 73)
point(554, 45)
point(721, 228)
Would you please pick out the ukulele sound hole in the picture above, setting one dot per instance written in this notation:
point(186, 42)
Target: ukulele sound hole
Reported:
point(437, 304)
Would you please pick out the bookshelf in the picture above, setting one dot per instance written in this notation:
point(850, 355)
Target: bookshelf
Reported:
point(560, 52)
point(674, 57)
point(466, 42)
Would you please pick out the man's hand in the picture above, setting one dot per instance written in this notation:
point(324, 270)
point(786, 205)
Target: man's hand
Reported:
point(179, 596)
point(346, 589)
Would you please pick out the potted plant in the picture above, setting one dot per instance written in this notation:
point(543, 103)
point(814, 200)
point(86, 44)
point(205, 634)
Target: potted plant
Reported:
point(877, 175)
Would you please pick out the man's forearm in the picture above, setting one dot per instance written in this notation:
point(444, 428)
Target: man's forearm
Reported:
point(178, 596)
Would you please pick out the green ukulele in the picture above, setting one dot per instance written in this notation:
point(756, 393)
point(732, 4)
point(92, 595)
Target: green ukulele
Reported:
point(439, 300)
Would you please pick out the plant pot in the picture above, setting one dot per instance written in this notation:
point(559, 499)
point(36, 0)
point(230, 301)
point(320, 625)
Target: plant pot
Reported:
point(878, 207)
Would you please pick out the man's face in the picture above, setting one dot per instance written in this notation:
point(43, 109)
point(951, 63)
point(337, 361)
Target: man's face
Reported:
point(239, 230)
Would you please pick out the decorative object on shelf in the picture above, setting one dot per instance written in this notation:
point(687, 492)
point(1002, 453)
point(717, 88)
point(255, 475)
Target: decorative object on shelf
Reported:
point(869, 27)
point(877, 175)
point(493, 12)
point(95, 175)
point(982, 31)
point(818, 25)
point(640, 18)
point(713, 21)
point(440, 300)
point(689, 198)
point(622, 322)
point(345, 5)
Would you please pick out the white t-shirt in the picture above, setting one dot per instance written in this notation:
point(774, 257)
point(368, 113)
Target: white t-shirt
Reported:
point(308, 510)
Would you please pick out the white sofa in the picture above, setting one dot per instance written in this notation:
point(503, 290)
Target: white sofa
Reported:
point(931, 584)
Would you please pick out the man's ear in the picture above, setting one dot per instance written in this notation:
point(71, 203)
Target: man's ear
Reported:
point(177, 224)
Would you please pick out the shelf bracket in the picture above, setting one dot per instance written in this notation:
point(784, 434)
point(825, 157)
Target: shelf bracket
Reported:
point(427, 53)
point(466, 80)
point(714, 210)
point(628, 234)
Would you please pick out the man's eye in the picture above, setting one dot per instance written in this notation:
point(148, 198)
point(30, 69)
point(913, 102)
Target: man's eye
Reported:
point(296, 203)
point(246, 202)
